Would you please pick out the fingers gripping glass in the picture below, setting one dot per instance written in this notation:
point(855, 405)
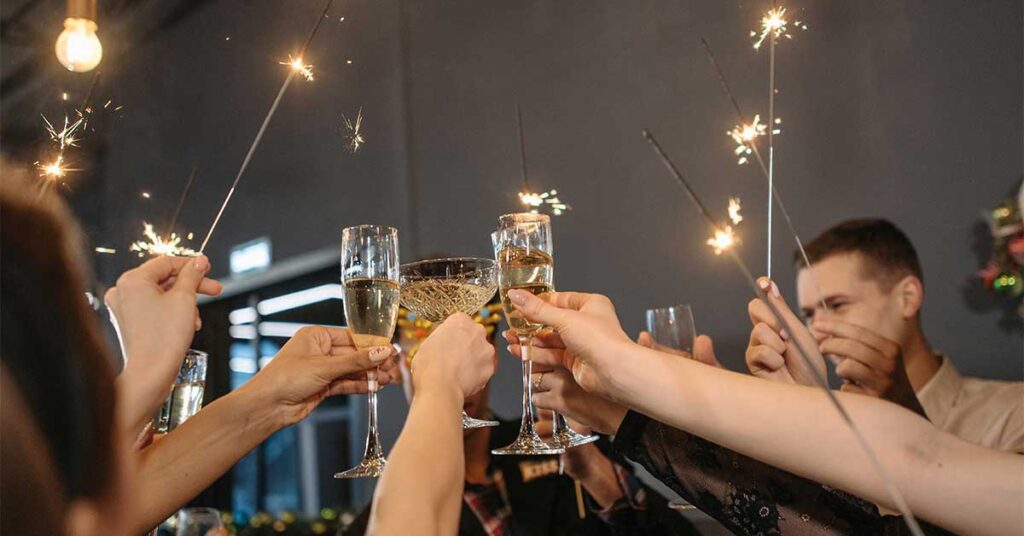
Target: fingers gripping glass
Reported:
point(438, 288)
point(369, 274)
point(523, 248)
point(672, 328)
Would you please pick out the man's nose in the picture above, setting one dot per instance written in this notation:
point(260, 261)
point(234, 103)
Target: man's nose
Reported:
point(819, 315)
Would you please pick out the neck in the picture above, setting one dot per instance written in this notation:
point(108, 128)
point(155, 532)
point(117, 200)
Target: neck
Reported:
point(478, 455)
point(919, 360)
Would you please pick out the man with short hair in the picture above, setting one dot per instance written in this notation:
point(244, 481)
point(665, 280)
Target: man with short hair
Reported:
point(868, 275)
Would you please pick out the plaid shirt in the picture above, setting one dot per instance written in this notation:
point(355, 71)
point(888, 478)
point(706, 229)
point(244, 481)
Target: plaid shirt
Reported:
point(489, 505)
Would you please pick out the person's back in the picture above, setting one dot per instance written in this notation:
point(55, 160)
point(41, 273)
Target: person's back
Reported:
point(868, 274)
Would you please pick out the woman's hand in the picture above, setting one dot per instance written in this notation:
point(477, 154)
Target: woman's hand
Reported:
point(316, 363)
point(456, 353)
point(155, 309)
point(556, 390)
point(588, 328)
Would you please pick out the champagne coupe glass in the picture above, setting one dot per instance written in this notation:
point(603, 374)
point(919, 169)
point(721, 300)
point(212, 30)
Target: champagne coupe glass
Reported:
point(369, 273)
point(199, 522)
point(522, 246)
point(438, 288)
point(672, 328)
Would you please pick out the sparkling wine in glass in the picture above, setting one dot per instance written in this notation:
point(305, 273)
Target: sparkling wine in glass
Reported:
point(186, 397)
point(522, 246)
point(369, 274)
point(672, 328)
point(438, 288)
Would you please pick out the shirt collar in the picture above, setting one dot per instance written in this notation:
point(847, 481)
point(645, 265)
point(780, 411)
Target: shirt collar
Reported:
point(939, 394)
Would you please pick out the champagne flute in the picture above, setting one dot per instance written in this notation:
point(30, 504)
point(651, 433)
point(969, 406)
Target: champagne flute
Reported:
point(199, 522)
point(369, 273)
point(673, 328)
point(522, 246)
point(438, 288)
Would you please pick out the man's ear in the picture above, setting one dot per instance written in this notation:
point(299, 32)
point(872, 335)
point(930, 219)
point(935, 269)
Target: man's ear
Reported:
point(910, 293)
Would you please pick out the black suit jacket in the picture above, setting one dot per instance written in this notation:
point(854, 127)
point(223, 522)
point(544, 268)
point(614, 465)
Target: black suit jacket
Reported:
point(543, 502)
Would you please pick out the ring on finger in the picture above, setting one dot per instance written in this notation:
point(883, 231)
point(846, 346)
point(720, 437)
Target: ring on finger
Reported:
point(538, 381)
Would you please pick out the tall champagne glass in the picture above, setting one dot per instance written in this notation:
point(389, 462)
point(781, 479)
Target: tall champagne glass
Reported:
point(522, 246)
point(438, 288)
point(369, 273)
point(673, 328)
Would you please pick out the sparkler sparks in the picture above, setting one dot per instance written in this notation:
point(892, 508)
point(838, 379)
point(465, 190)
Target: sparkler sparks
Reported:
point(723, 239)
point(156, 245)
point(774, 25)
point(354, 136)
point(105, 250)
point(65, 137)
point(744, 136)
point(538, 201)
point(734, 210)
point(296, 64)
point(53, 170)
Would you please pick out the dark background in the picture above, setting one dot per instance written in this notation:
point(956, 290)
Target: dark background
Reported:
point(909, 110)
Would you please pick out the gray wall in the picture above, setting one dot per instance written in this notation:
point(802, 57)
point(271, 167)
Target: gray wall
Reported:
point(909, 110)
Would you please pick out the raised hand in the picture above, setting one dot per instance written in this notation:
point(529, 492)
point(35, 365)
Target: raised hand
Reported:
point(772, 353)
point(556, 390)
point(316, 363)
point(867, 362)
point(456, 353)
point(155, 309)
point(587, 326)
point(703, 348)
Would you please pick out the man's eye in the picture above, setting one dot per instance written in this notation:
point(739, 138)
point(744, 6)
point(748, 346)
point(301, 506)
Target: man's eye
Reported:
point(839, 306)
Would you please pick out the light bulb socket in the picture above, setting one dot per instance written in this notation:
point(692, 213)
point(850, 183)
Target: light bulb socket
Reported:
point(82, 9)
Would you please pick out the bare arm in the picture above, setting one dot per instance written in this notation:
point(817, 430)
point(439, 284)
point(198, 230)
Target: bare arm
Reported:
point(421, 491)
point(960, 486)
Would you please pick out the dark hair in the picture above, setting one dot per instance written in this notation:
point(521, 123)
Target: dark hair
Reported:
point(887, 252)
point(50, 344)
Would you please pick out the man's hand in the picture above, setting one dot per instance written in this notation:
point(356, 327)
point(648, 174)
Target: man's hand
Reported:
point(703, 349)
point(316, 363)
point(868, 363)
point(772, 353)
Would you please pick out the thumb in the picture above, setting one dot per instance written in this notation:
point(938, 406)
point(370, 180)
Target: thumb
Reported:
point(704, 351)
point(192, 274)
point(338, 366)
point(537, 310)
point(645, 340)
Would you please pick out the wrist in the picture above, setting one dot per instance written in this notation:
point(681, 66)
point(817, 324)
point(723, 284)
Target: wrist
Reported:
point(443, 393)
point(260, 408)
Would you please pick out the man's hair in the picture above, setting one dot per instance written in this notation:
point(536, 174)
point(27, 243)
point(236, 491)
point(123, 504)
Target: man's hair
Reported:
point(886, 251)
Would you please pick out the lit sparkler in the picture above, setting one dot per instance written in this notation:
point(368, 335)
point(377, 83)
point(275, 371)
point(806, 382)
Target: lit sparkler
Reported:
point(296, 64)
point(53, 170)
point(744, 136)
point(538, 201)
point(354, 135)
point(819, 378)
point(156, 245)
point(774, 25)
point(723, 239)
point(734, 210)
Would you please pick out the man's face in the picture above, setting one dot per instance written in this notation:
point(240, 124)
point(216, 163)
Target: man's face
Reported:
point(851, 295)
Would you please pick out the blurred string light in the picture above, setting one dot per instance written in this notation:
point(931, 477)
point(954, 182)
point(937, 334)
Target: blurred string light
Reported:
point(78, 48)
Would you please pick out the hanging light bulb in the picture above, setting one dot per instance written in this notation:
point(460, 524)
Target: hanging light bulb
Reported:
point(78, 48)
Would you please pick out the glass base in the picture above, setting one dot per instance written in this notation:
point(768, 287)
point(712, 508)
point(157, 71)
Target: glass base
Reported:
point(526, 445)
point(469, 422)
point(368, 468)
point(569, 438)
point(681, 505)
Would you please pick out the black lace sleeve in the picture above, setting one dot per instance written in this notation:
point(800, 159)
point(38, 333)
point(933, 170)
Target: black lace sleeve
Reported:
point(745, 495)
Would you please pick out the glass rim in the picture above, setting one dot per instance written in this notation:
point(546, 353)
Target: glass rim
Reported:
point(483, 264)
point(386, 228)
point(670, 308)
point(524, 217)
point(191, 352)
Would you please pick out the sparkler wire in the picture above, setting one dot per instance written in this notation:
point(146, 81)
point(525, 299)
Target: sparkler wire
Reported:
point(771, 137)
point(894, 493)
point(522, 148)
point(764, 171)
point(263, 128)
point(181, 201)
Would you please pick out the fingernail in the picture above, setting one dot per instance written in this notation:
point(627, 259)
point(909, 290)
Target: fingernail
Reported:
point(764, 283)
point(775, 290)
point(202, 263)
point(380, 353)
point(784, 334)
point(509, 348)
point(518, 297)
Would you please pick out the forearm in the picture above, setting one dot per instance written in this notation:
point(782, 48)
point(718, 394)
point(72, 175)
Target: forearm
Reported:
point(421, 491)
point(183, 463)
point(599, 479)
point(799, 431)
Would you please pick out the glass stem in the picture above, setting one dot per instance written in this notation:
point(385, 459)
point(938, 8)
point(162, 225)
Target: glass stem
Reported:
point(373, 449)
point(526, 428)
point(558, 425)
